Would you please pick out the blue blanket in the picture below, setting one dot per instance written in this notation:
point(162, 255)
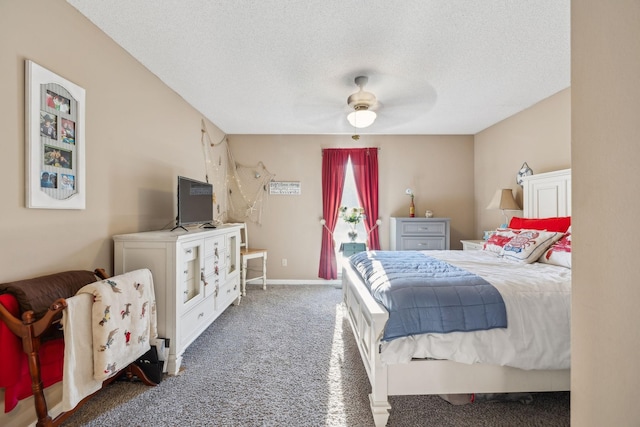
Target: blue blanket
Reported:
point(423, 294)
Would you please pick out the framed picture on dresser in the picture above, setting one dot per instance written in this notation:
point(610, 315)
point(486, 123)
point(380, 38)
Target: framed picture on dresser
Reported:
point(54, 140)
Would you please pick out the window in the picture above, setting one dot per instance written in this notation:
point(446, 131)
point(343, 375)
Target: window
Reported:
point(350, 200)
point(365, 175)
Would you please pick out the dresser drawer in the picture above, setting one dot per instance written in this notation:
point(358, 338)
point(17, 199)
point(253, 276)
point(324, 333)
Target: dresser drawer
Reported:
point(424, 228)
point(410, 234)
point(214, 246)
point(213, 282)
point(189, 253)
point(228, 292)
point(194, 321)
point(422, 243)
point(213, 265)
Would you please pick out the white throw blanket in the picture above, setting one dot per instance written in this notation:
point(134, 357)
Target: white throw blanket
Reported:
point(77, 376)
point(107, 326)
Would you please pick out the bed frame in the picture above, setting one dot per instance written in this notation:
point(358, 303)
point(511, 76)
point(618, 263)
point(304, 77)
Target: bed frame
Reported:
point(549, 193)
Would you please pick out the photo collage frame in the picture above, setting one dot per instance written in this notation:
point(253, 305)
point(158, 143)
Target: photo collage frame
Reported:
point(54, 141)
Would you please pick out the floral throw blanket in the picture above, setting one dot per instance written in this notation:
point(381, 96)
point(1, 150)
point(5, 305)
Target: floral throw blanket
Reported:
point(123, 320)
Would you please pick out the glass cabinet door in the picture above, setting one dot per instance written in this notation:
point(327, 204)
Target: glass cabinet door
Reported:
point(232, 253)
point(192, 271)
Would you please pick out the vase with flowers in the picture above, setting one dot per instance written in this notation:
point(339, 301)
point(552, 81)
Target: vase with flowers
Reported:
point(352, 216)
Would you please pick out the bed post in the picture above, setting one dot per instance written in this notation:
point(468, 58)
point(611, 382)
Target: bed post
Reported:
point(378, 399)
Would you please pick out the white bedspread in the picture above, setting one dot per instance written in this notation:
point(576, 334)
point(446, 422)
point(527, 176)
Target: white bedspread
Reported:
point(538, 301)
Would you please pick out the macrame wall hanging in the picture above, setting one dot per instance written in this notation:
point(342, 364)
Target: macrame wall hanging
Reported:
point(247, 186)
point(215, 163)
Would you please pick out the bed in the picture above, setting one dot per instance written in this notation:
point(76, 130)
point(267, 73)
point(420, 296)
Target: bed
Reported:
point(427, 364)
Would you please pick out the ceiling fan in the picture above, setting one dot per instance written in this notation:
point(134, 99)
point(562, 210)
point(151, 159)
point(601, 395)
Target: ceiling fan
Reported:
point(391, 99)
point(362, 103)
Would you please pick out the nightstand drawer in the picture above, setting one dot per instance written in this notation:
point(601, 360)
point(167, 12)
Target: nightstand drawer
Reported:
point(349, 249)
point(472, 245)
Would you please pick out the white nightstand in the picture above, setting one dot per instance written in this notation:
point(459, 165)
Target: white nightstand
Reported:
point(472, 245)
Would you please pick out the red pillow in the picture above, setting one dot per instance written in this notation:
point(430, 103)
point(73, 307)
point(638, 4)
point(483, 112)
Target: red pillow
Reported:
point(560, 223)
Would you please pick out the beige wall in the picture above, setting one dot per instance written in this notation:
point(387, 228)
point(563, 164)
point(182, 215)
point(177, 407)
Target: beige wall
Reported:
point(438, 168)
point(139, 136)
point(540, 136)
point(606, 182)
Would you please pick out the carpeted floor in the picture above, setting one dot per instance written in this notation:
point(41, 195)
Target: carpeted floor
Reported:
point(286, 357)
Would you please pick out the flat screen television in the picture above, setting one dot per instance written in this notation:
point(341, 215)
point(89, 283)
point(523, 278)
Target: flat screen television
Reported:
point(195, 202)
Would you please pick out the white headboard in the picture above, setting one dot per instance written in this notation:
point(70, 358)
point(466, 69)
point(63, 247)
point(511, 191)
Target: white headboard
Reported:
point(547, 194)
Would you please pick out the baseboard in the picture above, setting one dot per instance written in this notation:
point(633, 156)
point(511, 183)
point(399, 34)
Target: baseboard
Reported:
point(24, 414)
point(294, 282)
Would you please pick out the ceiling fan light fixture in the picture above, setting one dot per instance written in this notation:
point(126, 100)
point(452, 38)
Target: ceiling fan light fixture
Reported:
point(361, 117)
point(361, 101)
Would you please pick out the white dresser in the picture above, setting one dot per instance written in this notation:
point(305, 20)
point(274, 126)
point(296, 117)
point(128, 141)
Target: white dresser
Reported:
point(196, 276)
point(409, 234)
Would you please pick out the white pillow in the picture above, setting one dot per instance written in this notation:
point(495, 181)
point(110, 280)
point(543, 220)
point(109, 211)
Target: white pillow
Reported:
point(527, 245)
point(497, 240)
point(560, 252)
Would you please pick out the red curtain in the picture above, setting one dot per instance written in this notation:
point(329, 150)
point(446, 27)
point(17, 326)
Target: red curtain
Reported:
point(334, 165)
point(365, 171)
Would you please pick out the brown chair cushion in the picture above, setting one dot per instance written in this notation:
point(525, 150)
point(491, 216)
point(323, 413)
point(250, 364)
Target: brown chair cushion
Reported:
point(39, 293)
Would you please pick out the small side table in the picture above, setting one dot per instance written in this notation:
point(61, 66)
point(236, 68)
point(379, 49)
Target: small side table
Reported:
point(472, 245)
point(351, 248)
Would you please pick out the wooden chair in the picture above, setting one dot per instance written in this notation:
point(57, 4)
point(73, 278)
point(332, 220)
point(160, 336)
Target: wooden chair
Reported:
point(246, 254)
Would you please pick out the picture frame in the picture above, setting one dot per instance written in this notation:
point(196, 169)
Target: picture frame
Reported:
point(54, 141)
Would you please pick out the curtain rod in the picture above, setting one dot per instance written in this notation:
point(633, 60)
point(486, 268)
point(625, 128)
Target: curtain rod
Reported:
point(363, 148)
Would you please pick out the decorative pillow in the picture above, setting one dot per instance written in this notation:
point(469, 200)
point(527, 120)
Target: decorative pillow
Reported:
point(560, 252)
point(561, 223)
point(527, 245)
point(497, 240)
point(39, 293)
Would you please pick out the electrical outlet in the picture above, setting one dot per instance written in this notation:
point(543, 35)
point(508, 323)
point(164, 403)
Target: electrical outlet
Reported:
point(284, 262)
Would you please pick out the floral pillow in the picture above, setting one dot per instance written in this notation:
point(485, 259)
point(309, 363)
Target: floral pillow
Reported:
point(560, 252)
point(528, 245)
point(498, 240)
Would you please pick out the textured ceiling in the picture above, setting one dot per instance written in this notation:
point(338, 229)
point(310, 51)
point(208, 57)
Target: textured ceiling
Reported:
point(287, 67)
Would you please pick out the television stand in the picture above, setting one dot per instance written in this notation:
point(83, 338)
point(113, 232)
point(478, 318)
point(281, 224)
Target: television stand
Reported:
point(187, 302)
point(180, 226)
point(208, 225)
